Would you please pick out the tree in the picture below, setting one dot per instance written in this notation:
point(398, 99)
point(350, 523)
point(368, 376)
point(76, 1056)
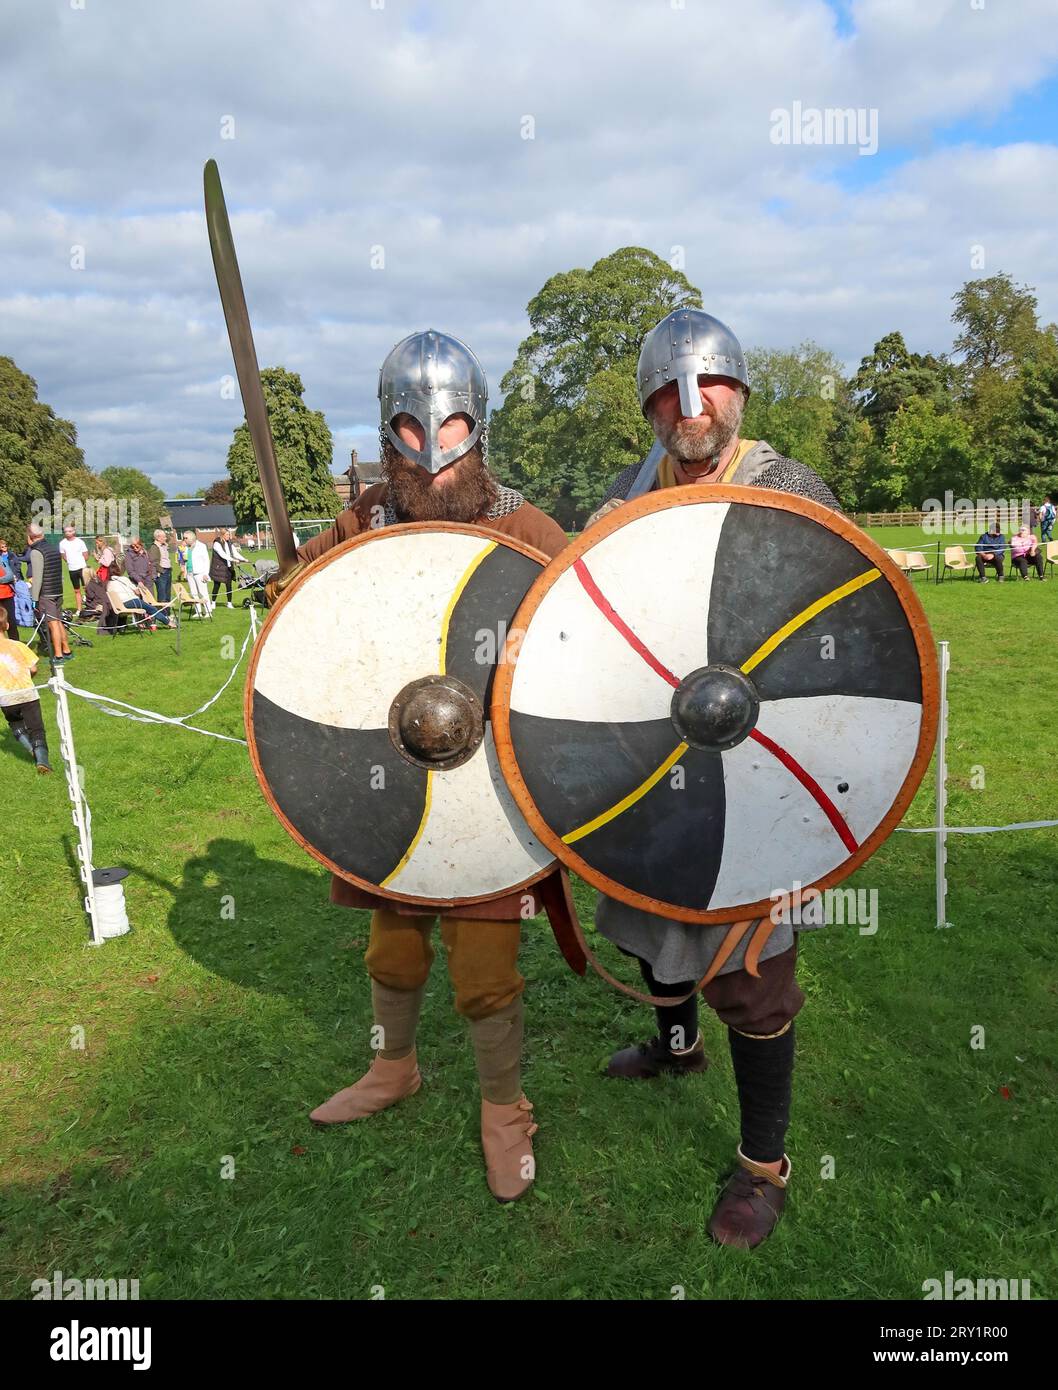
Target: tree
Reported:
point(892, 375)
point(304, 450)
point(218, 494)
point(927, 452)
point(84, 500)
point(1035, 467)
point(134, 487)
point(570, 419)
point(36, 447)
point(998, 323)
point(793, 401)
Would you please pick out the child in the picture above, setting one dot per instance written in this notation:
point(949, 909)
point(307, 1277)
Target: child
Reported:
point(18, 699)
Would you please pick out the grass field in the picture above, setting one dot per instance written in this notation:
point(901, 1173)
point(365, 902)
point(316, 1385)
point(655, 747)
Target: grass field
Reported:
point(208, 1039)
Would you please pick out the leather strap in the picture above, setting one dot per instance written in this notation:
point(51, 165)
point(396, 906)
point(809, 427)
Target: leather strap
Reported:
point(557, 899)
point(735, 933)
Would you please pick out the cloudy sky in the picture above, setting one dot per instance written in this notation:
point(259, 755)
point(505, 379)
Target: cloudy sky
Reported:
point(342, 126)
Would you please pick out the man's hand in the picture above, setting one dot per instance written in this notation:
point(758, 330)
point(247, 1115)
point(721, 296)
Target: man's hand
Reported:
point(602, 511)
point(275, 588)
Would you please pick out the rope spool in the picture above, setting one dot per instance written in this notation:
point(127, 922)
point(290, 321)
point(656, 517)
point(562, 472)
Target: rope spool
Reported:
point(112, 917)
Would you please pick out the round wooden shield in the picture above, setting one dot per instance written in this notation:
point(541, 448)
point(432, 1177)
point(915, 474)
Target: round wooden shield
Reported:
point(367, 713)
point(716, 694)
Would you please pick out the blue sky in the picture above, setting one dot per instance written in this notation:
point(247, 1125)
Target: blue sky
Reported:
point(402, 126)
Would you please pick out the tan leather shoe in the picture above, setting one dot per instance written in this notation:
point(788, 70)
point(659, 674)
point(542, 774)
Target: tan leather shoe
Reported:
point(507, 1139)
point(382, 1085)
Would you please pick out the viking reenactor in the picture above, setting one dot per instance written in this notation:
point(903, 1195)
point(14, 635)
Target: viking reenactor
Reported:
point(433, 442)
point(693, 385)
point(682, 715)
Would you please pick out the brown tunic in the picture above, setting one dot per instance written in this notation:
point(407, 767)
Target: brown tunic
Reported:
point(527, 524)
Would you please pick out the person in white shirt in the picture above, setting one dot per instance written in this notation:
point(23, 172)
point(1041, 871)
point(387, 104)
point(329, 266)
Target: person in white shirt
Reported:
point(75, 553)
point(197, 571)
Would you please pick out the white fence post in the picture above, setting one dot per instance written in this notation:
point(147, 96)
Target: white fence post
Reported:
point(942, 792)
point(82, 816)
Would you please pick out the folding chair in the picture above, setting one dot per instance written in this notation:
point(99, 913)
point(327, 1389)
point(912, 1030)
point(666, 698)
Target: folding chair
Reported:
point(956, 561)
point(916, 563)
point(899, 558)
point(1050, 555)
point(117, 607)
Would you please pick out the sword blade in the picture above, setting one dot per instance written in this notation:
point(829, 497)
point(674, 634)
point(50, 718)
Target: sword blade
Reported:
point(648, 472)
point(237, 317)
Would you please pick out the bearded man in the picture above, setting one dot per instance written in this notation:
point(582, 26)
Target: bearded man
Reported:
point(693, 386)
point(433, 443)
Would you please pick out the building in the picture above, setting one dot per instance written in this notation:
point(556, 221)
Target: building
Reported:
point(193, 514)
point(360, 475)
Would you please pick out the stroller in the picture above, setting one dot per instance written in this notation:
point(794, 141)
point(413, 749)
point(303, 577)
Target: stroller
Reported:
point(252, 581)
point(70, 621)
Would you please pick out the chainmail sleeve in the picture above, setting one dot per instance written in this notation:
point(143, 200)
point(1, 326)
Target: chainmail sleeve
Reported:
point(787, 475)
point(622, 484)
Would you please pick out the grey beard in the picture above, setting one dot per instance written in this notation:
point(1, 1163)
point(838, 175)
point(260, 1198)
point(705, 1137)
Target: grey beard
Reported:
point(687, 442)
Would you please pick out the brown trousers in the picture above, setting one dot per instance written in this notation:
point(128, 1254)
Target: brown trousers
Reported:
point(482, 958)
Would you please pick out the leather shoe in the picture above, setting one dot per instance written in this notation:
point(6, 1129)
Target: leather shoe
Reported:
point(644, 1061)
point(750, 1204)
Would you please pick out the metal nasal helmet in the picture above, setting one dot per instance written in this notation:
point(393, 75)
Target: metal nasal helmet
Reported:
point(683, 346)
point(431, 376)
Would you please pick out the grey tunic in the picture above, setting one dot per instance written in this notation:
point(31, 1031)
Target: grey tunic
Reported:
point(684, 951)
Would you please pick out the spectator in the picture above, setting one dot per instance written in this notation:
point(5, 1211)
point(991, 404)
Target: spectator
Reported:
point(196, 568)
point(97, 605)
point(138, 565)
point(18, 698)
point(7, 589)
point(990, 548)
point(16, 562)
point(136, 596)
point(1048, 513)
point(45, 572)
point(75, 553)
point(104, 558)
point(1025, 550)
point(163, 567)
point(222, 563)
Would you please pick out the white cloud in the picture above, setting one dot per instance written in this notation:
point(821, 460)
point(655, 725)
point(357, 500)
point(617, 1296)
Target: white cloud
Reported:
point(356, 127)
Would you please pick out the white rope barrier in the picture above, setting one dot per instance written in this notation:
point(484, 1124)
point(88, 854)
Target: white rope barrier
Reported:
point(976, 829)
point(107, 917)
point(104, 703)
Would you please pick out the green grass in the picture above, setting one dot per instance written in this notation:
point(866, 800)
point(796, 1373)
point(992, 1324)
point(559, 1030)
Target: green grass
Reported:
point(208, 1037)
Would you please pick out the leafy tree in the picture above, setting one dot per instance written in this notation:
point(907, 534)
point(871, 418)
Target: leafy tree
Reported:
point(793, 402)
point(892, 375)
point(133, 485)
point(850, 445)
point(927, 451)
point(82, 499)
point(218, 493)
point(570, 419)
point(1035, 447)
point(36, 447)
point(997, 320)
point(304, 450)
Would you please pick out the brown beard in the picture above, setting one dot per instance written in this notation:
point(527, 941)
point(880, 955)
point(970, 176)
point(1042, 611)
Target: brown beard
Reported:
point(465, 497)
point(689, 442)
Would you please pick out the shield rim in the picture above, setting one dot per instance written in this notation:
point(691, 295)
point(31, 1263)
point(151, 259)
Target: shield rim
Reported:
point(313, 568)
point(686, 495)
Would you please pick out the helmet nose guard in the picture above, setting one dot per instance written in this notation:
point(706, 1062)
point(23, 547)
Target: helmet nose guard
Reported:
point(432, 376)
point(685, 345)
